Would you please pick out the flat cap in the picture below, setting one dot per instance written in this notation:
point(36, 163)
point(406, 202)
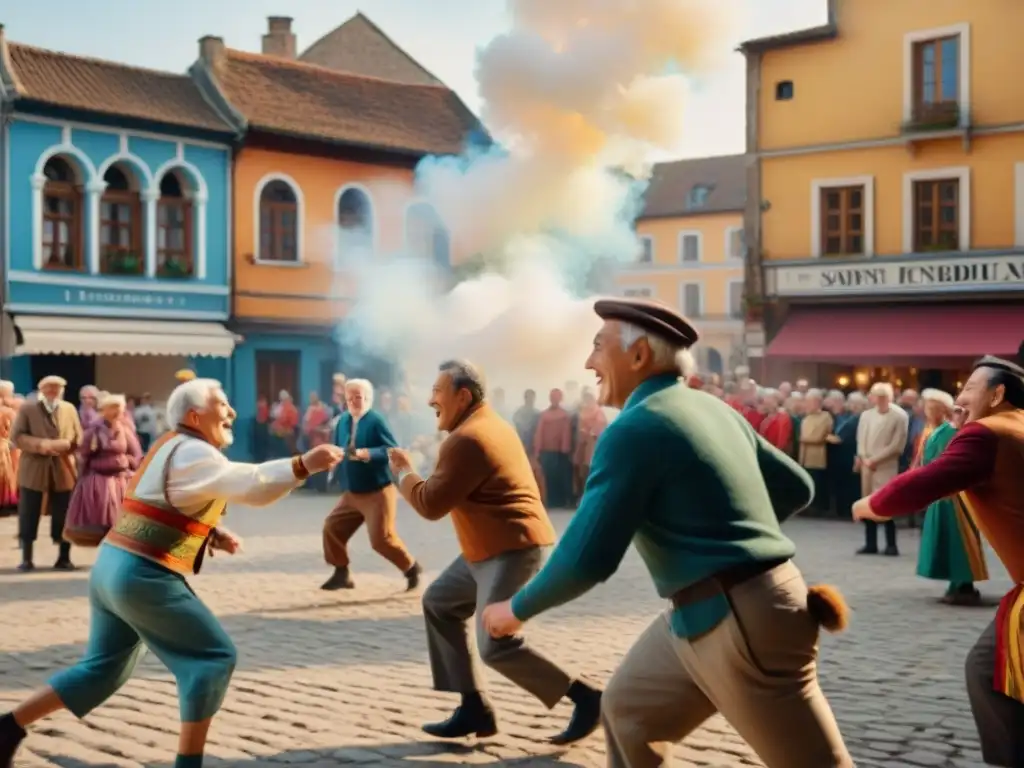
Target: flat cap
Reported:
point(654, 317)
point(48, 380)
point(999, 364)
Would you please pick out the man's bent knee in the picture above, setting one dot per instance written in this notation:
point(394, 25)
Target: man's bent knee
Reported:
point(203, 686)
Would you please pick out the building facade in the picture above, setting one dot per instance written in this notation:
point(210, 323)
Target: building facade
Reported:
point(692, 257)
point(115, 201)
point(885, 217)
point(323, 183)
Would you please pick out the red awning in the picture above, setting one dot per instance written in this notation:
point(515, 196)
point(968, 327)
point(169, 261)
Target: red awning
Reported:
point(906, 333)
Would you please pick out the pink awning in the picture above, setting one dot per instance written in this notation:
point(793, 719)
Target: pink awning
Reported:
point(905, 333)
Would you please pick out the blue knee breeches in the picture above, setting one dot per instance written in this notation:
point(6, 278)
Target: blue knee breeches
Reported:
point(137, 604)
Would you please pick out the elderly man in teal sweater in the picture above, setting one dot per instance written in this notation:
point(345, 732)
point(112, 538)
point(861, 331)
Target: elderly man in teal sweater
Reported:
point(686, 479)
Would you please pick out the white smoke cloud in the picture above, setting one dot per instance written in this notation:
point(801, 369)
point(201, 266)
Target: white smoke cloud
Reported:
point(578, 95)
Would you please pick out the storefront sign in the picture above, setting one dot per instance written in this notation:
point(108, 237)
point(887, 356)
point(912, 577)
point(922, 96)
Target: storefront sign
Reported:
point(36, 296)
point(903, 276)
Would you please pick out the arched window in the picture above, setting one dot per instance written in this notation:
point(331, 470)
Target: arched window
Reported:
point(174, 229)
point(355, 220)
point(121, 224)
point(279, 223)
point(426, 236)
point(62, 216)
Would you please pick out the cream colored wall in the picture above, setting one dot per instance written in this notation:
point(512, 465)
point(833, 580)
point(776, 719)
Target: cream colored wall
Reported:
point(665, 277)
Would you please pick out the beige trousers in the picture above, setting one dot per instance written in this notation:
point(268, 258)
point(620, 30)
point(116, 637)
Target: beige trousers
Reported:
point(758, 668)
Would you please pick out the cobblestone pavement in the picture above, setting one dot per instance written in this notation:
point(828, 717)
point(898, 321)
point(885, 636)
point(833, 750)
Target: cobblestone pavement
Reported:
point(329, 679)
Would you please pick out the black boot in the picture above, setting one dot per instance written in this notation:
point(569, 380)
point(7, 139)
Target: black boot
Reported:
point(26, 557)
point(890, 539)
point(870, 539)
point(474, 717)
point(11, 736)
point(64, 558)
point(412, 577)
point(340, 579)
point(585, 717)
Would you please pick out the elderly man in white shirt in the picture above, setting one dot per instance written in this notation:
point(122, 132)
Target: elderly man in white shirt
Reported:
point(138, 594)
point(881, 438)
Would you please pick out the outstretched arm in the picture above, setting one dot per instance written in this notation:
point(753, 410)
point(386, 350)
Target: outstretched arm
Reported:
point(199, 473)
point(623, 476)
point(461, 467)
point(967, 461)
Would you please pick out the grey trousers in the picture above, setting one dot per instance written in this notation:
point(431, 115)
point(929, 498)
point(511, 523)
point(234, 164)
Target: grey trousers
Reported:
point(1000, 719)
point(463, 590)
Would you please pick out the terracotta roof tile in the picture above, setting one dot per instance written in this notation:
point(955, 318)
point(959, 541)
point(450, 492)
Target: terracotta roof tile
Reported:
point(300, 99)
point(669, 193)
point(105, 87)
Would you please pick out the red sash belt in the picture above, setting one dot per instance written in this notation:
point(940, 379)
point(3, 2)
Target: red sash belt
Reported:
point(186, 556)
point(170, 518)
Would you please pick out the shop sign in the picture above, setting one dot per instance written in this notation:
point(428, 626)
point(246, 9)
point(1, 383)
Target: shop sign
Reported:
point(96, 301)
point(903, 276)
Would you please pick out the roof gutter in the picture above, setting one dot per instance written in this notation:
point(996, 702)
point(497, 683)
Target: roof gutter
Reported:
point(824, 32)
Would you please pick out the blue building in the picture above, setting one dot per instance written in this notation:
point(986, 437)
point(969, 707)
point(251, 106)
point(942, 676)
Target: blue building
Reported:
point(115, 224)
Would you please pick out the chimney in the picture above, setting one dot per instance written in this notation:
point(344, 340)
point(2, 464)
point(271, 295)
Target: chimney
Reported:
point(211, 53)
point(279, 40)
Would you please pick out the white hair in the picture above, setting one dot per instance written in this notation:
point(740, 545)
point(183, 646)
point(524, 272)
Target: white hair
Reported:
point(7, 386)
point(189, 396)
point(856, 397)
point(796, 395)
point(939, 397)
point(835, 394)
point(882, 389)
point(107, 399)
point(666, 354)
point(364, 386)
point(818, 393)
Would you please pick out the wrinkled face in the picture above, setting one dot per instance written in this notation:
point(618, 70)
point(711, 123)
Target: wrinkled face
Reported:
point(355, 400)
point(934, 411)
point(89, 401)
point(112, 412)
point(448, 402)
point(978, 398)
point(613, 366)
point(215, 421)
point(882, 402)
point(54, 392)
point(555, 397)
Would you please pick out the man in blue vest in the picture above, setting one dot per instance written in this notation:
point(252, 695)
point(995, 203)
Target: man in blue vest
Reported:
point(685, 478)
point(368, 492)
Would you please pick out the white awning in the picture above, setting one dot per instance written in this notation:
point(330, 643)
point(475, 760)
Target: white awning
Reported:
point(50, 335)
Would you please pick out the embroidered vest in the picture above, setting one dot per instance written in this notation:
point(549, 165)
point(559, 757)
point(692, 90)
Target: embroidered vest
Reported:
point(156, 530)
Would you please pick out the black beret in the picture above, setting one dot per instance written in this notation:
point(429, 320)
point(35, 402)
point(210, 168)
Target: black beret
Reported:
point(655, 317)
point(999, 364)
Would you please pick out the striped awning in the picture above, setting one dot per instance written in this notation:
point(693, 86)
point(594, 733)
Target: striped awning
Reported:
point(54, 335)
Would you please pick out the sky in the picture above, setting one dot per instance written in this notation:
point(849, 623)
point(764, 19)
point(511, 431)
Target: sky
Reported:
point(444, 39)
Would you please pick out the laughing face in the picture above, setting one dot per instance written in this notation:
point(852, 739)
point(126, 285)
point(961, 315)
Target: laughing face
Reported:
point(449, 403)
point(616, 368)
point(215, 421)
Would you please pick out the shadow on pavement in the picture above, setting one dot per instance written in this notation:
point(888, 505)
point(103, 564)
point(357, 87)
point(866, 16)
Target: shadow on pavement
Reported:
point(43, 584)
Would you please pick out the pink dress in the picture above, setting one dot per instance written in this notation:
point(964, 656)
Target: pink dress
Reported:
point(107, 458)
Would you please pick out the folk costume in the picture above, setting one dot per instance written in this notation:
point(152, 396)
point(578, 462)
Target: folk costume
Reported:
point(109, 454)
point(484, 481)
point(982, 467)
point(45, 478)
point(370, 497)
point(137, 589)
point(687, 479)
point(8, 464)
point(951, 548)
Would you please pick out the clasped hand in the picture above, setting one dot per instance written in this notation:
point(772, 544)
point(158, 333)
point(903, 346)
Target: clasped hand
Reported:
point(499, 621)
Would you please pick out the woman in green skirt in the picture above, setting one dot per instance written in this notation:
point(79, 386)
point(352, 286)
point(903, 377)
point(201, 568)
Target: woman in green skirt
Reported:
point(951, 548)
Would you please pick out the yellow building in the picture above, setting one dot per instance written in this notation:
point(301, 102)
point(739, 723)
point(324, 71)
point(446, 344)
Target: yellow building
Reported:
point(885, 215)
point(691, 230)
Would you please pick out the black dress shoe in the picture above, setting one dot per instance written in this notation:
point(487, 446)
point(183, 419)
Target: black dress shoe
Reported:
point(26, 566)
point(465, 721)
point(412, 577)
point(64, 565)
point(891, 551)
point(11, 736)
point(340, 579)
point(867, 551)
point(585, 719)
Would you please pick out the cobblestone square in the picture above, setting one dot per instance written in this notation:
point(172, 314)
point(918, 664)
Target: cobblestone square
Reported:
point(341, 678)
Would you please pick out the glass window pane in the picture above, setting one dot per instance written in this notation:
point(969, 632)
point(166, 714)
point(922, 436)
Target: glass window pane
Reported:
point(856, 244)
point(947, 214)
point(856, 222)
point(832, 222)
point(832, 200)
point(105, 234)
point(47, 231)
point(833, 245)
point(950, 68)
point(856, 198)
point(925, 217)
point(177, 239)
